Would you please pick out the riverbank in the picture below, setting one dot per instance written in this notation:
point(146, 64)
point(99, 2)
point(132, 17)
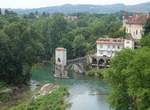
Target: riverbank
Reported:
point(53, 101)
point(5, 92)
point(95, 72)
point(83, 90)
point(12, 95)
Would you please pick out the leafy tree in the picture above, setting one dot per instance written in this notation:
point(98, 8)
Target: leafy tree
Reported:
point(52, 30)
point(138, 79)
point(79, 46)
point(147, 27)
point(20, 46)
point(119, 98)
point(145, 41)
point(129, 79)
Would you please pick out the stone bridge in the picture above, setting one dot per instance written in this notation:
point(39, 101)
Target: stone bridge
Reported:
point(77, 60)
point(77, 65)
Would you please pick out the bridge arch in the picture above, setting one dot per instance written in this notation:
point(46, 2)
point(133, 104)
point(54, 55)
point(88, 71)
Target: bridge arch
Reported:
point(94, 60)
point(102, 61)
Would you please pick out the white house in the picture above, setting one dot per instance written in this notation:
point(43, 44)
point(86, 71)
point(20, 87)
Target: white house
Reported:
point(109, 46)
point(134, 24)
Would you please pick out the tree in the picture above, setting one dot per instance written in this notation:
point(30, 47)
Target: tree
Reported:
point(138, 79)
point(79, 46)
point(147, 27)
point(119, 98)
point(52, 29)
point(20, 46)
point(145, 41)
point(129, 77)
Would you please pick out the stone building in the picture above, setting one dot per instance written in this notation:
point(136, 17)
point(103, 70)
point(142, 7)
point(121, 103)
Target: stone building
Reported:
point(107, 47)
point(134, 24)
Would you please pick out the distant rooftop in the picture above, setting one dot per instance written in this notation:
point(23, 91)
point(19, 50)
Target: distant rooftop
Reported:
point(137, 18)
point(110, 41)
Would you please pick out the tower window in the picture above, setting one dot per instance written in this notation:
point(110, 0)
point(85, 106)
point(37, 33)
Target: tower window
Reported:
point(59, 60)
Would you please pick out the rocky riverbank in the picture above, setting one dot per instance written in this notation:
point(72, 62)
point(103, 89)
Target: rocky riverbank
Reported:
point(52, 97)
point(49, 97)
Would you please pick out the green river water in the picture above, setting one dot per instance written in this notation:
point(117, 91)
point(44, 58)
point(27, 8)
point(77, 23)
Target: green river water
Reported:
point(85, 93)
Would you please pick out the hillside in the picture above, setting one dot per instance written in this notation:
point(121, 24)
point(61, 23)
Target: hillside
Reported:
point(68, 8)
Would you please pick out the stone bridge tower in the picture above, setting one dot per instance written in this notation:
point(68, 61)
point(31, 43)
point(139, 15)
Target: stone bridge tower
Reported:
point(60, 63)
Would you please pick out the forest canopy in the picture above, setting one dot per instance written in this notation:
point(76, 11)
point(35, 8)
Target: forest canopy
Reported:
point(28, 39)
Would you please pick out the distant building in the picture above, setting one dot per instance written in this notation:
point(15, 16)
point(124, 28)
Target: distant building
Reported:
point(72, 18)
point(107, 47)
point(134, 24)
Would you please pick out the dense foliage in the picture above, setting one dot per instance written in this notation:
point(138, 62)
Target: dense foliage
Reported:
point(77, 36)
point(19, 46)
point(147, 27)
point(129, 76)
point(129, 79)
point(52, 101)
point(145, 41)
point(26, 39)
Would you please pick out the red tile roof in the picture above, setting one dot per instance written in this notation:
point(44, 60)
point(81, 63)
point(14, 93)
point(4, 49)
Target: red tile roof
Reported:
point(110, 41)
point(140, 19)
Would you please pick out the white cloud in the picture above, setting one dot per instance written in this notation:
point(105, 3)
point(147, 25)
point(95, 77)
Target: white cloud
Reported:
point(44, 3)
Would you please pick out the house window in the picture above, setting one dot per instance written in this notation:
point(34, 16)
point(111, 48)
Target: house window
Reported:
point(118, 47)
point(136, 32)
point(59, 60)
point(113, 46)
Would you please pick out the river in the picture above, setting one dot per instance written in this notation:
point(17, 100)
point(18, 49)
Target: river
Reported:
point(86, 93)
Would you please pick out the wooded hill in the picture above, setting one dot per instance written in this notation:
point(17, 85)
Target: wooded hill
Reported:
point(68, 8)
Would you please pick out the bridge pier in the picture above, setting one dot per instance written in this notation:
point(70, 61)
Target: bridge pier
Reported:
point(60, 72)
point(62, 66)
point(60, 63)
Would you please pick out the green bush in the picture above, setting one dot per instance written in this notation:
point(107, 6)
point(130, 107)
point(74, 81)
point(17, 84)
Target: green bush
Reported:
point(53, 101)
point(5, 92)
point(95, 72)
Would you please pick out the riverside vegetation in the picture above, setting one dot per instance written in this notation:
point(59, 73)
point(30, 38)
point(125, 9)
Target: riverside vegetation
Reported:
point(129, 77)
point(52, 101)
point(28, 39)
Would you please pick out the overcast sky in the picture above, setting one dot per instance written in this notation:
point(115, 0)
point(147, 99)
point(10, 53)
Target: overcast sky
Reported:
point(45, 3)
